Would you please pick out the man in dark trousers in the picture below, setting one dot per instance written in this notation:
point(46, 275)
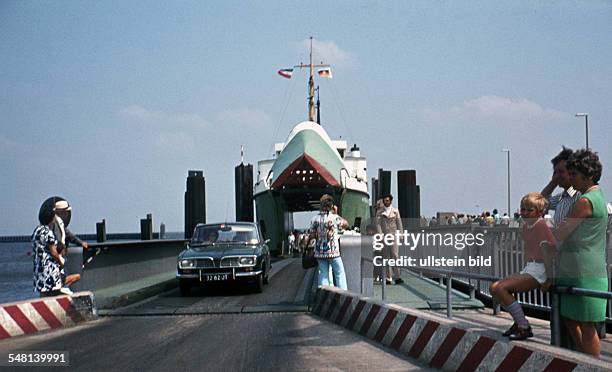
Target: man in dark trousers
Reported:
point(389, 221)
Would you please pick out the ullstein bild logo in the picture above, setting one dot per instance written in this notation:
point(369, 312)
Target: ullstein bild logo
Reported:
point(414, 240)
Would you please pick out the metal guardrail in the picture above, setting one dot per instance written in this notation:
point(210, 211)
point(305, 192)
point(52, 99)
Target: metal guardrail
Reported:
point(555, 292)
point(449, 274)
point(505, 247)
point(555, 324)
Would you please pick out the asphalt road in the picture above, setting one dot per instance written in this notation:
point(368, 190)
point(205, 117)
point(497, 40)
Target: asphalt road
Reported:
point(216, 330)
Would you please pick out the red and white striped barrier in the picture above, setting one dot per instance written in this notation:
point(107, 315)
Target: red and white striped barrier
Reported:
point(31, 316)
point(439, 344)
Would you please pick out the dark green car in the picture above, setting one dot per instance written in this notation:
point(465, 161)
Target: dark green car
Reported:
point(224, 252)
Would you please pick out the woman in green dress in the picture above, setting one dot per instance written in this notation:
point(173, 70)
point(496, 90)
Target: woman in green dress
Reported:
point(582, 260)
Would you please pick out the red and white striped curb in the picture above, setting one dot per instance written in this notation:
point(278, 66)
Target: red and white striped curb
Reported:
point(31, 316)
point(439, 345)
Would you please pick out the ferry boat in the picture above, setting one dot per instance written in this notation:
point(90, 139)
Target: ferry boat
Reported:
point(303, 168)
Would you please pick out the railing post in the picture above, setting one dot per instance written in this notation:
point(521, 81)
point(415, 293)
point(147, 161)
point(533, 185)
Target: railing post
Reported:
point(496, 308)
point(449, 304)
point(383, 283)
point(555, 320)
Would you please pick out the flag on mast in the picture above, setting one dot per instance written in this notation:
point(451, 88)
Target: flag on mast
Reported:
point(286, 73)
point(325, 72)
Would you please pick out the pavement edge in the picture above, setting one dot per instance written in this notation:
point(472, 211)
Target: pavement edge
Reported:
point(441, 344)
point(42, 314)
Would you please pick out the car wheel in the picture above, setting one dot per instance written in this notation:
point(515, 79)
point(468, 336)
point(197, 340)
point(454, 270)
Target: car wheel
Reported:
point(185, 288)
point(259, 283)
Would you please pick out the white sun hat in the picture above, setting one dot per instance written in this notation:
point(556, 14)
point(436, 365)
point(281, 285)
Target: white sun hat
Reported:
point(62, 205)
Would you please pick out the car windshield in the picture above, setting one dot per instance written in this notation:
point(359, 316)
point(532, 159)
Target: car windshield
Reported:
point(223, 234)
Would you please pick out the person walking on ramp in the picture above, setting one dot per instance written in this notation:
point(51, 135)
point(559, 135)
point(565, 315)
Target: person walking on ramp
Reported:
point(324, 229)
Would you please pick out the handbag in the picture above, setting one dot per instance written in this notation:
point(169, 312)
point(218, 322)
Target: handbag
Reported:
point(308, 259)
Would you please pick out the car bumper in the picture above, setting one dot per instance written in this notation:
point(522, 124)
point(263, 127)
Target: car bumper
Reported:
point(234, 275)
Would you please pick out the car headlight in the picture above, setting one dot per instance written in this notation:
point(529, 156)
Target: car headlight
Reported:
point(247, 261)
point(186, 264)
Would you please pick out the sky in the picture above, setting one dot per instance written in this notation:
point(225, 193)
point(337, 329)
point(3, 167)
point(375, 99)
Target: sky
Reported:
point(109, 104)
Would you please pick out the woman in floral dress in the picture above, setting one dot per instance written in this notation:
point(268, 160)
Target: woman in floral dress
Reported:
point(47, 261)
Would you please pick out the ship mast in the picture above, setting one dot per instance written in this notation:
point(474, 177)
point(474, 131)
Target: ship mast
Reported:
point(311, 89)
point(311, 108)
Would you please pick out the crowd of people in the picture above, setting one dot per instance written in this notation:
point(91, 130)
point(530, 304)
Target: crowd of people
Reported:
point(486, 218)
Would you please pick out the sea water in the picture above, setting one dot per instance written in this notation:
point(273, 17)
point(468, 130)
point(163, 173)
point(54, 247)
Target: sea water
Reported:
point(16, 272)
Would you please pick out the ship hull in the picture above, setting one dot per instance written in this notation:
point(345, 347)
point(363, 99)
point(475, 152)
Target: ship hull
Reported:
point(308, 166)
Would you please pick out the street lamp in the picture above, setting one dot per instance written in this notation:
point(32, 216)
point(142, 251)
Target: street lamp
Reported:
point(586, 125)
point(508, 152)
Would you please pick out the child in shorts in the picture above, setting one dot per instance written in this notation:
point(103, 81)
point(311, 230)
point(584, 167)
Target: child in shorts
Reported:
point(539, 244)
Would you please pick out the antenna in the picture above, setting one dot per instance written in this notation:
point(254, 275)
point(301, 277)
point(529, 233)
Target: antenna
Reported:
point(311, 89)
point(241, 154)
point(318, 107)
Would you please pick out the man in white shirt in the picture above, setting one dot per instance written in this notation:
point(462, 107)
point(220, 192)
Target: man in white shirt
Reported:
point(562, 202)
point(64, 236)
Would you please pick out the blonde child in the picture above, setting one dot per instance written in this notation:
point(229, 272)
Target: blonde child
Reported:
point(539, 244)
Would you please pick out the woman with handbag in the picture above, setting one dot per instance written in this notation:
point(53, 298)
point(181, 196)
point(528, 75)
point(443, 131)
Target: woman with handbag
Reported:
point(324, 228)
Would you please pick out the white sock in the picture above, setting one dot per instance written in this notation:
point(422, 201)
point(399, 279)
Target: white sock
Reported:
point(518, 315)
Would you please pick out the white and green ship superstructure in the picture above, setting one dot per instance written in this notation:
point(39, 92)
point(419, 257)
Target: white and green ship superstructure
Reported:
point(306, 166)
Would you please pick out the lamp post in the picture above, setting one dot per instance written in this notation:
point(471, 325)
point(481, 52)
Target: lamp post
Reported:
point(586, 125)
point(508, 152)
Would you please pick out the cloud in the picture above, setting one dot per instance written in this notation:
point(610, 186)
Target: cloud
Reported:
point(244, 117)
point(176, 141)
point(492, 108)
point(137, 113)
point(165, 131)
point(508, 108)
point(179, 133)
point(328, 52)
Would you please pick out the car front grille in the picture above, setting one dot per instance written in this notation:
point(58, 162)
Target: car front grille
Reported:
point(230, 262)
point(204, 263)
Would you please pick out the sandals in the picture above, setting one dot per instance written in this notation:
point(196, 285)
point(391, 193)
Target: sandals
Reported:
point(521, 334)
point(510, 330)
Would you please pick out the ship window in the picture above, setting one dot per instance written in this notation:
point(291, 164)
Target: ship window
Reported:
point(341, 152)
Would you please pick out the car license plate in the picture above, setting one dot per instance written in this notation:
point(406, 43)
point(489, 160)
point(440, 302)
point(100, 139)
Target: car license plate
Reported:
point(215, 277)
